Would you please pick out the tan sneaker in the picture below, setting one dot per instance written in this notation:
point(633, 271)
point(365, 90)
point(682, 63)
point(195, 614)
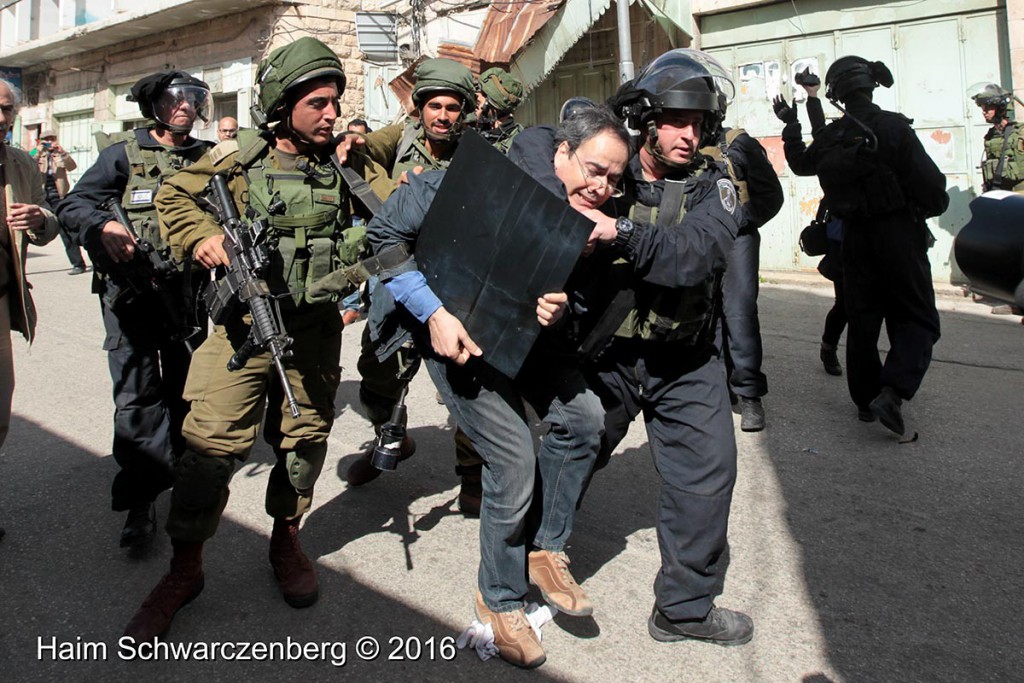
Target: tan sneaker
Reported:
point(550, 572)
point(516, 641)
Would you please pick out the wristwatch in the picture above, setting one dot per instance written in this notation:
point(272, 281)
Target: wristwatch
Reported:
point(623, 231)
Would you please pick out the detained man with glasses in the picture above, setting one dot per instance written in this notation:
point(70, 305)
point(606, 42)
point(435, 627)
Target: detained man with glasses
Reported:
point(522, 533)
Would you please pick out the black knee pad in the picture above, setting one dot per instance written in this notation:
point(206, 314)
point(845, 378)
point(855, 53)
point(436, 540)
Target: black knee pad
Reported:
point(201, 480)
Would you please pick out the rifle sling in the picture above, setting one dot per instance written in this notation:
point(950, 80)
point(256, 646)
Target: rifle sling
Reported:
point(358, 186)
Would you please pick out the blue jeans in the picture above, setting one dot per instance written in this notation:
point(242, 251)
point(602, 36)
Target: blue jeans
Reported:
point(490, 408)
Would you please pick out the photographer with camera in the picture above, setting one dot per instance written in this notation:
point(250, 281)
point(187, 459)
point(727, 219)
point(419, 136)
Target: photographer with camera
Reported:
point(54, 164)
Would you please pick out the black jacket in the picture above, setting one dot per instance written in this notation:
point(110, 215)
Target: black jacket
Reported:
point(751, 165)
point(79, 211)
point(899, 150)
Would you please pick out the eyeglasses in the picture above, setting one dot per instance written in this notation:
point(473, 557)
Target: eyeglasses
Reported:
point(602, 179)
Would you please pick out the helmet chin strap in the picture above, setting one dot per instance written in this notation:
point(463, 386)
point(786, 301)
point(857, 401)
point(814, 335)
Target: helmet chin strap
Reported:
point(451, 136)
point(180, 130)
point(286, 128)
point(654, 149)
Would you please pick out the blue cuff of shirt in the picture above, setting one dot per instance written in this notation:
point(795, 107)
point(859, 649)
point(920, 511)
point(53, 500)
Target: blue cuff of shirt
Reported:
point(412, 291)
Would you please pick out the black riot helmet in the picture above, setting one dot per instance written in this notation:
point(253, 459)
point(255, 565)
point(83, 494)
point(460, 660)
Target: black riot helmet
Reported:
point(850, 74)
point(573, 105)
point(679, 79)
point(159, 94)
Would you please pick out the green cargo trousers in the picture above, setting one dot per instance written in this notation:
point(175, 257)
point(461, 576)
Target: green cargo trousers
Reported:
point(379, 389)
point(226, 411)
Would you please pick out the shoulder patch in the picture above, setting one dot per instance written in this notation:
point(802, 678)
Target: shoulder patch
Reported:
point(727, 194)
point(222, 150)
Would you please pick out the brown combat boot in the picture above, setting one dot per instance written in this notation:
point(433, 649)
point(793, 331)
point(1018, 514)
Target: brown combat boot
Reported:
point(362, 470)
point(517, 643)
point(180, 586)
point(294, 572)
point(550, 572)
point(471, 493)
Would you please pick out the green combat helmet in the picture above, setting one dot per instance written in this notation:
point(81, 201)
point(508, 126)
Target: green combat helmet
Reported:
point(503, 91)
point(435, 76)
point(303, 60)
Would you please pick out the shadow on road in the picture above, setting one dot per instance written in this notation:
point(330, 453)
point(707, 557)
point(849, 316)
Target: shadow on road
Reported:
point(63, 576)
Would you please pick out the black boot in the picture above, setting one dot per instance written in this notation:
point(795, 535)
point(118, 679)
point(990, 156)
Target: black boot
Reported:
point(751, 415)
point(140, 527)
point(886, 407)
point(830, 359)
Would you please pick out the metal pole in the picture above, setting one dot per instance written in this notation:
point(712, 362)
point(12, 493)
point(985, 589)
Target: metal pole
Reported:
point(625, 41)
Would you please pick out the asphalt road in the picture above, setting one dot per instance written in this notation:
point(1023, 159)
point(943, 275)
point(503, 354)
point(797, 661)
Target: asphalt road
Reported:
point(858, 558)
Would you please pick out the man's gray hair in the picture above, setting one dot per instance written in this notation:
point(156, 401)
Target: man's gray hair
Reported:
point(589, 122)
point(15, 93)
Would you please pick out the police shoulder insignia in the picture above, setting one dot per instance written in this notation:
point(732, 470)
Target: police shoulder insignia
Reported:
point(727, 194)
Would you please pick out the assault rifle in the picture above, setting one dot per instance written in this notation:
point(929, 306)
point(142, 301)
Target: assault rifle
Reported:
point(148, 271)
point(246, 246)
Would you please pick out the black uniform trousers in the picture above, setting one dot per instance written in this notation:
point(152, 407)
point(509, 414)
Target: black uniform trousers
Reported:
point(832, 268)
point(743, 353)
point(681, 391)
point(888, 279)
point(73, 251)
point(148, 371)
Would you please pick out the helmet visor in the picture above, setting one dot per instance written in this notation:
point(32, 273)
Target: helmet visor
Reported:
point(669, 72)
point(181, 105)
point(987, 92)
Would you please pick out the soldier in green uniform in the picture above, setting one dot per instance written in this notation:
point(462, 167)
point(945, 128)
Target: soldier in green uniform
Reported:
point(444, 95)
point(281, 174)
point(1002, 166)
point(498, 96)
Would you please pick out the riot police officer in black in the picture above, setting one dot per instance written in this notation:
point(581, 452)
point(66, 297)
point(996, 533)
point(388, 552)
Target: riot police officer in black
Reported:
point(147, 357)
point(877, 177)
point(664, 259)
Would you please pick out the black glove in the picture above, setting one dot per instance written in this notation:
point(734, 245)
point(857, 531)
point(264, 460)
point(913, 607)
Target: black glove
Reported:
point(786, 113)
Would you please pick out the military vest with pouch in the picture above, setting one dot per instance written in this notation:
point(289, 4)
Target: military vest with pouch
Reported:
point(148, 168)
point(1007, 146)
point(307, 212)
point(677, 314)
point(412, 152)
point(720, 154)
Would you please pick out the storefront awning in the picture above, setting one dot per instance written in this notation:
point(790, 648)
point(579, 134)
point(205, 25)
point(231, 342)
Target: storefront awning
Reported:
point(508, 27)
point(554, 39)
